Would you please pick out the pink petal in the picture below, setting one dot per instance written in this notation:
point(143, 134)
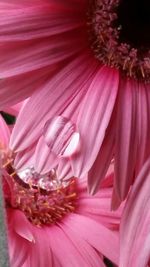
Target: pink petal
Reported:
point(34, 20)
point(34, 55)
point(95, 234)
point(64, 170)
point(135, 224)
point(40, 253)
point(44, 159)
point(60, 136)
point(22, 226)
point(98, 208)
point(74, 257)
point(88, 252)
point(13, 110)
point(143, 125)
point(25, 158)
point(53, 99)
point(94, 118)
point(126, 137)
point(4, 133)
point(22, 86)
point(102, 162)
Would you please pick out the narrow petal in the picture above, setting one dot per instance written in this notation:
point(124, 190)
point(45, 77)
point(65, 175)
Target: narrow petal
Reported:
point(44, 159)
point(126, 137)
point(64, 170)
point(22, 226)
point(135, 226)
point(143, 125)
point(25, 158)
point(102, 162)
point(4, 133)
point(94, 118)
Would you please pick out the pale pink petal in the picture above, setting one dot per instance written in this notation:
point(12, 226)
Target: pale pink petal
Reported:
point(102, 162)
point(126, 137)
point(135, 224)
point(44, 159)
point(61, 137)
point(25, 158)
point(95, 234)
point(64, 170)
point(94, 118)
point(52, 100)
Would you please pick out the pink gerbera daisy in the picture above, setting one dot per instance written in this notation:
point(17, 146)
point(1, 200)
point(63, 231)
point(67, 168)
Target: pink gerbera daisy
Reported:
point(90, 61)
point(52, 221)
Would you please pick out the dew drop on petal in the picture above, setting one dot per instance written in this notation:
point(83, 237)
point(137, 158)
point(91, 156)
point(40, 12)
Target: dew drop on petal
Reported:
point(61, 136)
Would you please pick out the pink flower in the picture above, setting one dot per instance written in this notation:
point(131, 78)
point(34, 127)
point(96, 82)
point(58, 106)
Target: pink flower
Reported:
point(135, 223)
point(53, 221)
point(88, 61)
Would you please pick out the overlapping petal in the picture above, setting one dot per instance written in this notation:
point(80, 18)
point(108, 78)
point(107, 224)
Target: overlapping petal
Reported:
point(94, 118)
point(135, 223)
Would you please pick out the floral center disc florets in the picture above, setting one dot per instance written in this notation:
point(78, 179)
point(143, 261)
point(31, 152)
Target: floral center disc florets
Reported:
point(43, 199)
point(119, 35)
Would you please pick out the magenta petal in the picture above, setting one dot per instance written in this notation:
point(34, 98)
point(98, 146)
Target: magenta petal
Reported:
point(135, 223)
point(61, 137)
point(94, 118)
point(126, 137)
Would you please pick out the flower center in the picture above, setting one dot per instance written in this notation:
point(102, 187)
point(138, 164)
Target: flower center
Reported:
point(43, 199)
point(119, 35)
point(134, 18)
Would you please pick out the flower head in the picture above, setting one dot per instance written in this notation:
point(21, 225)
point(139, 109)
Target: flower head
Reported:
point(87, 61)
point(50, 216)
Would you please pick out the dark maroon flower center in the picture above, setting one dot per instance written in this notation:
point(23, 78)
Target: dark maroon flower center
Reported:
point(119, 35)
point(134, 18)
